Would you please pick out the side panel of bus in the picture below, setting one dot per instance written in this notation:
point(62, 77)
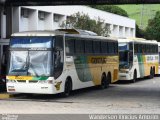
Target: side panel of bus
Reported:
point(86, 70)
point(147, 59)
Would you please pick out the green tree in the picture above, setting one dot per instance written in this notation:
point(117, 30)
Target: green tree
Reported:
point(139, 32)
point(153, 28)
point(119, 11)
point(83, 21)
point(112, 9)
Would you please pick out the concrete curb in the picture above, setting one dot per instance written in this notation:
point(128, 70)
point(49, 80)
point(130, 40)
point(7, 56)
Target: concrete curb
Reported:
point(7, 95)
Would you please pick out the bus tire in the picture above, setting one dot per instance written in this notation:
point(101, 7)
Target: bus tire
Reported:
point(151, 74)
point(153, 71)
point(67, 88)
point(134, 76)
point(104, 82)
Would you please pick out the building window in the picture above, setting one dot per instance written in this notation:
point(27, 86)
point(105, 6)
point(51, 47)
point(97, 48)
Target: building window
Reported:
point(24, 13)
point(56, 18)
point(41, 15)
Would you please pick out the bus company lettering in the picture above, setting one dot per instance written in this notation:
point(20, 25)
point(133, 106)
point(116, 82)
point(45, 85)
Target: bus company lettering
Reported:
point(102, 60)
point(98, 60)
point(152, 58)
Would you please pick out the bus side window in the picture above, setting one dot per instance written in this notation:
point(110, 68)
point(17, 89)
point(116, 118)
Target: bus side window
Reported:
point(79, 46)
point(131, 46)
point(58, 56)
point(111, 47)
point(70, 47)
point(96, 46)
point(115, 48)
point(88, 47)
point(104, 47)
point(135, 48)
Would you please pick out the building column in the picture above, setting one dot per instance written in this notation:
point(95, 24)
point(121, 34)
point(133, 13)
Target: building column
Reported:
point(8, 22)
point(3, 24)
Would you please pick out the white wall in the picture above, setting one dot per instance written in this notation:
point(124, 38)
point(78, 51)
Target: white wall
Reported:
point(121, 31)
point(29, 23)
point(33, 20)
point(120, 26)
point(49, 21)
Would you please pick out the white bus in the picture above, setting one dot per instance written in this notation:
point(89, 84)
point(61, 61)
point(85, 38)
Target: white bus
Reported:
point(138, 58)
point(159, 58)
point(50, 62)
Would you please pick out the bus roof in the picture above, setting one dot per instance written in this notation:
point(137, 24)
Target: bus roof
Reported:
point(67, 32)
point(137, 40)
point(54, 32)
point(38, 33)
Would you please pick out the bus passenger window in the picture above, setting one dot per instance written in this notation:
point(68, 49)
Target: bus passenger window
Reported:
point(104, 47)
point(111, 47)
point(115, 48)
point(70, 47)
point(88, 46)
point(79, 46)
point(96, 46)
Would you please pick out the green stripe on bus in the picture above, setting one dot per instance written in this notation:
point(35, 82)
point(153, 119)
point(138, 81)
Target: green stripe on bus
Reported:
point(40, 78)
point(82, 68)
point(141, 65)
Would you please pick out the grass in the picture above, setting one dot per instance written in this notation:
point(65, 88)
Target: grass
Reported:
point(141, 13)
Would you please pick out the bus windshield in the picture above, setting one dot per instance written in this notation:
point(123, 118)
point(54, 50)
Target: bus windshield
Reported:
point(123, 58)
point(125, 55)
point(30, 56)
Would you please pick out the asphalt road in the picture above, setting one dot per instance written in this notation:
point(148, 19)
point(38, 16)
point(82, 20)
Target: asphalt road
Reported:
point(142, 97)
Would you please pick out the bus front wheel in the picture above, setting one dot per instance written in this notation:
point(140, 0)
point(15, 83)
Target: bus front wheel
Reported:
point(67, 88)
point(134, 77)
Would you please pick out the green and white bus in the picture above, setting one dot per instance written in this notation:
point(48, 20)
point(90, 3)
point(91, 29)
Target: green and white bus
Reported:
point(50, 62)
point(138, 58)
point(159, 58)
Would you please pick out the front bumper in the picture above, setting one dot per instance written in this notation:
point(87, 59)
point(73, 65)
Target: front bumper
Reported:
point(125, 76)
point(37, 88)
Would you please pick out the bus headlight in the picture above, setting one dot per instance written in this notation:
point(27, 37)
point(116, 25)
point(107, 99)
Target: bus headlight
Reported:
point(124, 71)
point(10, 81)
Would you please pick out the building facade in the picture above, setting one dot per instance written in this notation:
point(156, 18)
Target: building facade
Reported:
point(25, 18)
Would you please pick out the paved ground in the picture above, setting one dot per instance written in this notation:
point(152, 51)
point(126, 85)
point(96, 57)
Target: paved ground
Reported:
point(142, 97)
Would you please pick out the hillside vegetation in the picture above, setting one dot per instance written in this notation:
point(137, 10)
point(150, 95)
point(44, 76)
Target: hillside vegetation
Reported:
point(141, 13)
